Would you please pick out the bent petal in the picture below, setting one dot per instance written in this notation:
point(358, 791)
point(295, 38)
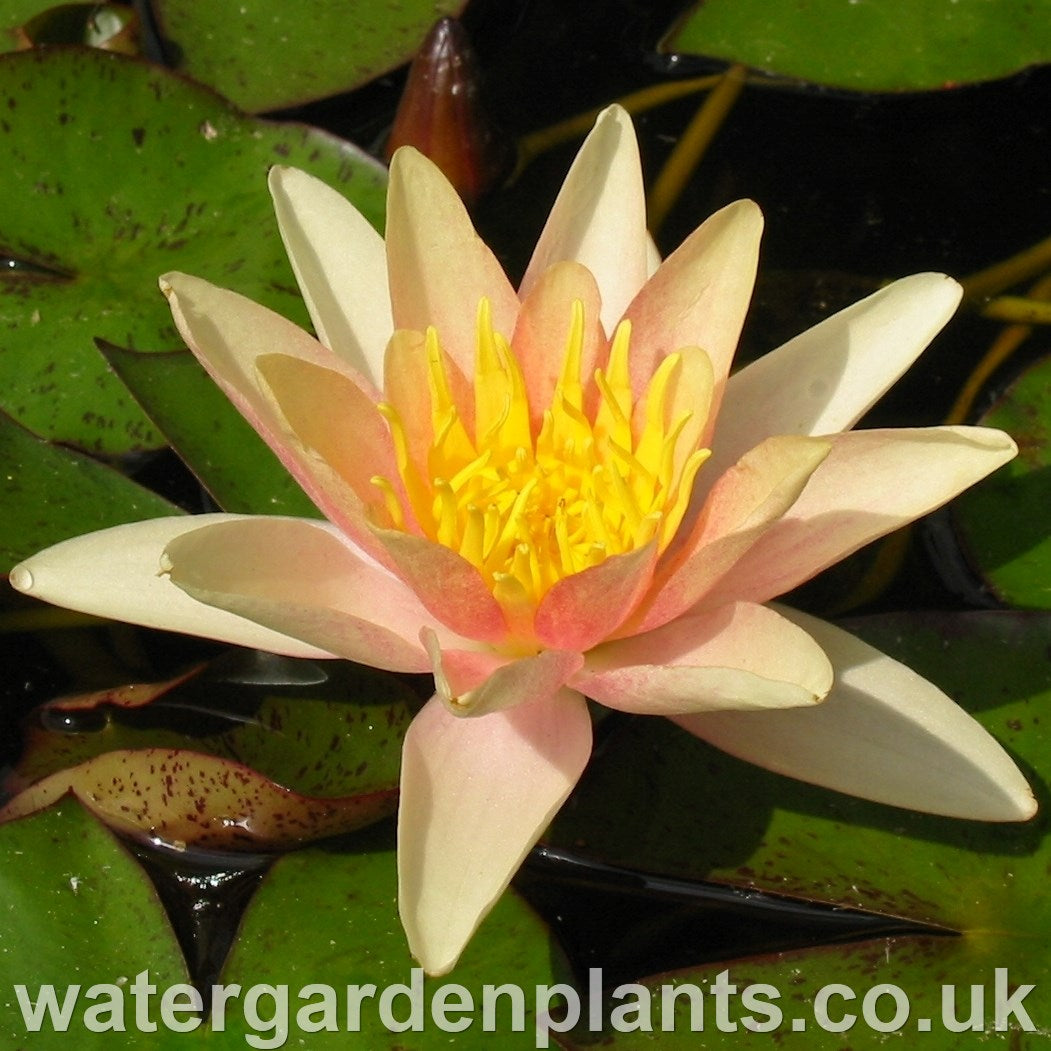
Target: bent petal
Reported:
point(116, 573)
point(340, 263)
point(471, 682)
point(871, 483)
point(583, 609)
point(475, 796)
point(741, 506)
point(884, 733)
point(229, 334)
point(439, 267)
point(540, 336)
point(446, 584)
point(304, 579)
point(332, 418)
point(826, 379)
point(599, 218)
point(739, 657)
point(699, 295)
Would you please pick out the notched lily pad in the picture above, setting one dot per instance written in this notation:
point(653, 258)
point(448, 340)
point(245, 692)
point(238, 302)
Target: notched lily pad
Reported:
point(331, 918)
point(117, 171)
point(307, 760)
point(895, 45)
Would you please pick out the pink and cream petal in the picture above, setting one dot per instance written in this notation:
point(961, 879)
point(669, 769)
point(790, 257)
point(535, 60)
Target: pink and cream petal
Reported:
point(475, 683)
point(117, 573)
point(333, 419)
point(407, 386)
point(447, 585)
point(439, 268)
point(871, 483)
point(699, 295)
point(599, 218)
point(737, 657)
point(304, 579)
point(340, 263)
point(475, 796)
point(883, 733)
point(826, 379)
point(540, 337)
point(586, 607)
point(229, 334)
point(742, 505)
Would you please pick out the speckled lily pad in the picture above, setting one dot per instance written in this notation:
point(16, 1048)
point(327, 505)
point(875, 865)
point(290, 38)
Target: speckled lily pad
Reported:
point(115, 172)
point(309, 760)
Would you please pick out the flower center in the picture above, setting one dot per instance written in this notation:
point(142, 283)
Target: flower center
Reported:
point(529, 504)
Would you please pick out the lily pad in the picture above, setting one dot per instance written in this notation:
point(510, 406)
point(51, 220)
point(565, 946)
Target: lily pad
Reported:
point(331, 919)
point(118, 171)
point(984, 885)
point(1004, 524)
point(78, 911)
point(298, 766)
point(268, 54)
point(186, 798)
point(50, 494)
point(213, 439)
point(893, 45)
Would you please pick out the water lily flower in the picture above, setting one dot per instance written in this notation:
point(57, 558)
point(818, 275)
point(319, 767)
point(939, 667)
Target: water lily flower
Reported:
point(556, 493)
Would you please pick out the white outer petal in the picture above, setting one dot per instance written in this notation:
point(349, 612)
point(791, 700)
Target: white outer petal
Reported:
point(599, 218)
point(475, 796)
point(883, 733)
point(340, 263)
point(825, 379)
point(739, 656)
point(116, 573)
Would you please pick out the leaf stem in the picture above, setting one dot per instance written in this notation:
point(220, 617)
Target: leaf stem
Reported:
point(1022, 310)
point(692, 144)
point(1021, 267)
point(1008, 341)
point(538, 142)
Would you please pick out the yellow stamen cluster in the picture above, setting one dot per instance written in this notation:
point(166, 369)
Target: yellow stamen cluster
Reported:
point(529, 509)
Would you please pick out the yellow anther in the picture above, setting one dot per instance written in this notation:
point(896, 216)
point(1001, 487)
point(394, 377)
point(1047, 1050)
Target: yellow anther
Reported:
point(529, 506)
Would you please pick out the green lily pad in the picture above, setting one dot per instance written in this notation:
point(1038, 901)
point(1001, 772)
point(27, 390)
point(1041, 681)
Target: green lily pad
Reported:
point(78, 910)
point(268, 54)
point(213, 439)
point(50, 494)
point(691, 810)
point(117, 172)
point(331, 919)
point(1004, 524)
point(893, 45)
point(311, 760)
